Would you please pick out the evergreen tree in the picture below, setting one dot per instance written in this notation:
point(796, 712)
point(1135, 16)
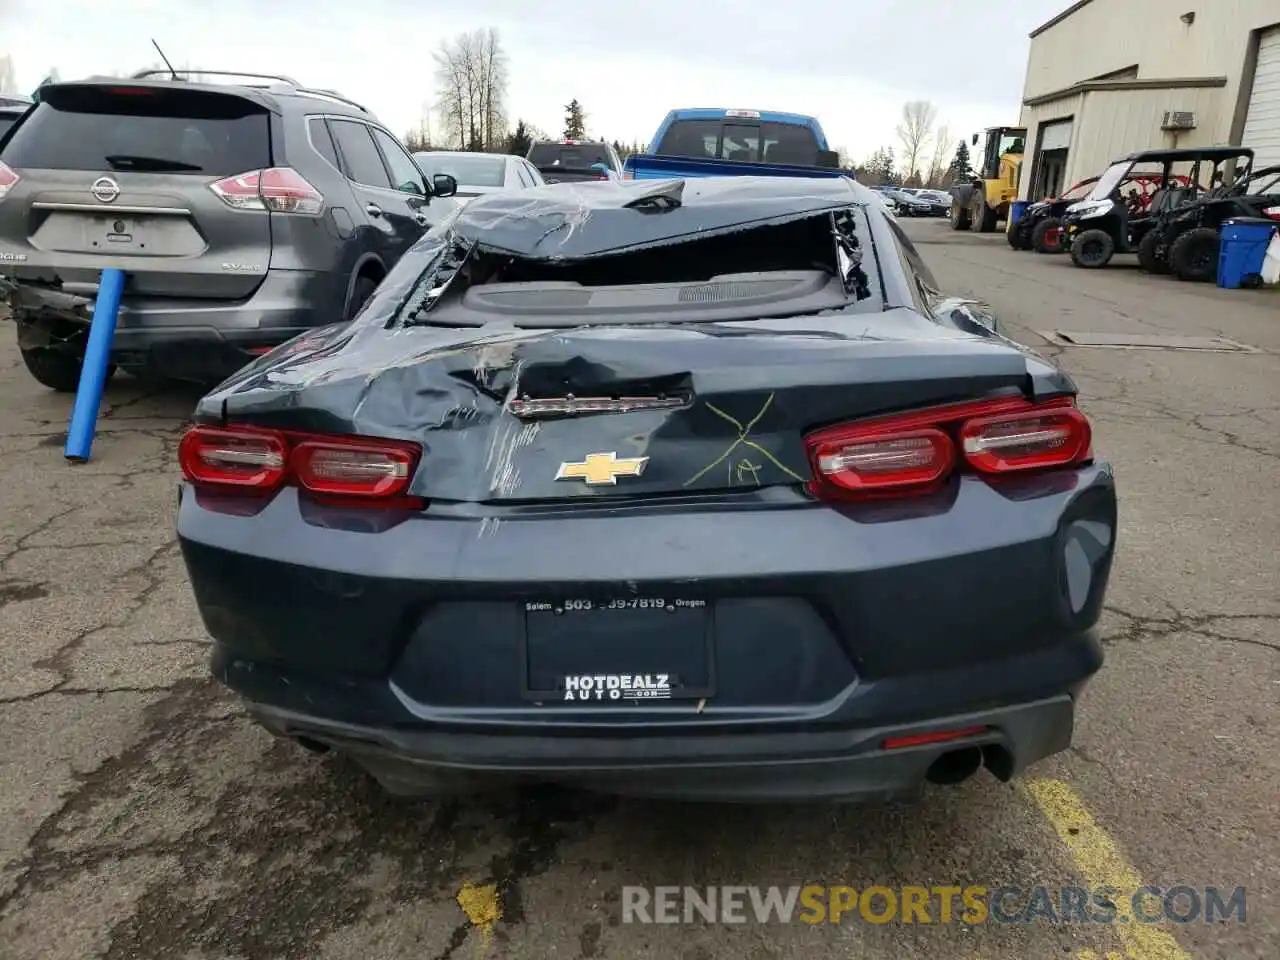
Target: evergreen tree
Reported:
point(575, 121)
point(879, 168)
point(960, 170)
point(519, 141)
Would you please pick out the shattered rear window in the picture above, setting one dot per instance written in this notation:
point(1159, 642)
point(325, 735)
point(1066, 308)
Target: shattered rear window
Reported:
point(827, 250)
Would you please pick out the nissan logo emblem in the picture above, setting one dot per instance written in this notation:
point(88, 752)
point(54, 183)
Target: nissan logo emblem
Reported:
point(105, 189)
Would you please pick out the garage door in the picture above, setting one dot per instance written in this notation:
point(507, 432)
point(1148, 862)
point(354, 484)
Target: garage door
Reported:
point(1262, 128)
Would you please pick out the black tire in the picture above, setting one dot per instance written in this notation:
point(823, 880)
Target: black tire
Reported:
point(959, 216)
point(977, 213)
point(56, 369)
point(1092, 249)
point(989, 220)
point(1152, 255)
point(1047, 236)
point(365, 285)
point(1194, 255)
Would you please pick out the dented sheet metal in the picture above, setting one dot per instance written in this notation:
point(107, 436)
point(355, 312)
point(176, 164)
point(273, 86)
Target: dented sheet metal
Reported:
point(577, 220)
point(706, 406)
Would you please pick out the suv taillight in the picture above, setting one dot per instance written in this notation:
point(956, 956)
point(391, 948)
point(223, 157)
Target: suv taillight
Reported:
point(355, 470)
point(7, 179)
point(278, 189)
point(915, 452)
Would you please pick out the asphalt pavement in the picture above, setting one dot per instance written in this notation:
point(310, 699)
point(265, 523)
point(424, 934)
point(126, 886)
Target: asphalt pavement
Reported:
point(142, 817)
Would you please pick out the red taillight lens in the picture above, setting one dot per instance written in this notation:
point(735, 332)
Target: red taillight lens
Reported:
point(278, 189)
point(342, 468)
point(348, 469)
point(240, 459)
point(863, 461)
point(1025, 441)
point(7, 179)
point(914, 452)
point(1272, 212)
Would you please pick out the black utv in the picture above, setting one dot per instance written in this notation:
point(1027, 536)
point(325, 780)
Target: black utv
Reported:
point(1108, 222)
point(1186, 241)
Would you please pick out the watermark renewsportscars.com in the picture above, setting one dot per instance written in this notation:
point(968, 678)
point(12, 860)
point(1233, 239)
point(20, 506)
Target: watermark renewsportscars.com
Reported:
point(971, 905)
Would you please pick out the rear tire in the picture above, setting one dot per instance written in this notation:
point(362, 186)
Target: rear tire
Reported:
point(57, 370)
point(1047, 236)
point(1194, 255)
point(959, 216)
point(365, 285)
point(1152, 256)
point(982, 219)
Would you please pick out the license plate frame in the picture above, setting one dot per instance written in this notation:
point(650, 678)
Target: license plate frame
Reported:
point(681, 687)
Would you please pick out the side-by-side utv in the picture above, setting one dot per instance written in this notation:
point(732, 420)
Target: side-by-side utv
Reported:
point(1040, 226)
point(1186, 241)
point(1106, 222)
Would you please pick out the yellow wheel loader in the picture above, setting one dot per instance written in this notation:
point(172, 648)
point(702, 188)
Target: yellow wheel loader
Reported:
point(981, 203)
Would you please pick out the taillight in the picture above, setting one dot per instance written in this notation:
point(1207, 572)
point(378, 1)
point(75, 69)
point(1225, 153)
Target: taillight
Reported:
point(243, 459)
point(354, 468)
point(1025, 441)
point(859, 462)
point(332, 468)
point(915, 452)
point(278, 189)
point(1272, 212)
point(7, 179)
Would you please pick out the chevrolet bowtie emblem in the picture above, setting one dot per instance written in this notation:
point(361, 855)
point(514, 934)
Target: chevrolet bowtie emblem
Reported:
point(600, 468)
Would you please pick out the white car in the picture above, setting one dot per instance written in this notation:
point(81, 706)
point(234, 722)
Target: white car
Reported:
point(480, 173)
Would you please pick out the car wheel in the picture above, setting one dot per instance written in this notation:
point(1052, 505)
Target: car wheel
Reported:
point(1152, 256)
point(1092, 249)
point(365, 285)
point(1194, 255)
point(959, 216)
point(1047, 236)
point(57, 370)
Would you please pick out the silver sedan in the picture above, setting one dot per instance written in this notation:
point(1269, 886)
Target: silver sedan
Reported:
point(480, 173)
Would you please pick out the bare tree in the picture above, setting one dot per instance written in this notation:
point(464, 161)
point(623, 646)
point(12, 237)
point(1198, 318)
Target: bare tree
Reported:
point(471, 81)
point(915, 131)
point(492, 71)
point(8, 75)
point(941, 156)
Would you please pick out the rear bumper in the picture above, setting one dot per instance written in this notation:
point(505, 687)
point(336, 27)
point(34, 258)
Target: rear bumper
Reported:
point(407, 640)
point(186, 339)
point(845, 764)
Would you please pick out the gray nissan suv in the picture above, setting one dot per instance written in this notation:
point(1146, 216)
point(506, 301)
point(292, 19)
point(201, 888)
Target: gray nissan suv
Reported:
point(242, 214)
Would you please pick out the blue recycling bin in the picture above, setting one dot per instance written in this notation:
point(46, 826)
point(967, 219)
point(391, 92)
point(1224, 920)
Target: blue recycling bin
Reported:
point(1244, 249)
point(1016, 209)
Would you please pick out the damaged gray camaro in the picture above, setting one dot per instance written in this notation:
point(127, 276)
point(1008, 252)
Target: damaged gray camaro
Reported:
point(699, 490)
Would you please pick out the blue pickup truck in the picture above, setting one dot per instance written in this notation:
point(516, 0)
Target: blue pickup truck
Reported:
point(712, 142)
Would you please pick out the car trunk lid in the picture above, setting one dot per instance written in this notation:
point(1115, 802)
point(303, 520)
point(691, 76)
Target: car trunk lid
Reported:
point(120, 175)
point(618, 412)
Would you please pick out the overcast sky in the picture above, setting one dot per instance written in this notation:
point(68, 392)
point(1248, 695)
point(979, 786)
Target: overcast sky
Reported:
point(852, 63)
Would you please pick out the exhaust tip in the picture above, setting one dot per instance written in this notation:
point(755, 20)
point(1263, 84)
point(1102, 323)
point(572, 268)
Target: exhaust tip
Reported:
point(954, 766)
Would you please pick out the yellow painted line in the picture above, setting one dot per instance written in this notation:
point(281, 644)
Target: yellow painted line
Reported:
point(480, 904)
point(1101, 864)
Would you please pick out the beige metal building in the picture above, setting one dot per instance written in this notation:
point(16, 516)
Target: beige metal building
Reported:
point(1109, 77)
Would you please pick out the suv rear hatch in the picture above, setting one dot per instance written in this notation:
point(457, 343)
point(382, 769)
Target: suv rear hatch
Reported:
point(120, 175)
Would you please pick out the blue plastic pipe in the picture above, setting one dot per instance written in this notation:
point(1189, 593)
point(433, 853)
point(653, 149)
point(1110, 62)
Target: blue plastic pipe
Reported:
point(93, 373)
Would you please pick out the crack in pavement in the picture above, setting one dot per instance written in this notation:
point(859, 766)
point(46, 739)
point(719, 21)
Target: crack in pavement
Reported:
point(1141, 627)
